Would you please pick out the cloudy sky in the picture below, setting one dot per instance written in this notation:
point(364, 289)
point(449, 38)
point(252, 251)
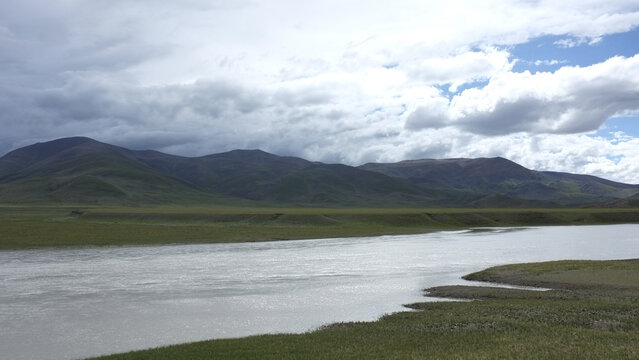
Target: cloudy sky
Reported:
point(552, 85)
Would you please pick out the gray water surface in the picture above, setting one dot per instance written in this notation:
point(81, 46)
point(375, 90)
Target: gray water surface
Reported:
point(73, 303)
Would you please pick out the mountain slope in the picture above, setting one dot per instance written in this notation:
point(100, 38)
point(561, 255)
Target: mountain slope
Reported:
point(84, 170)
point(629, 202)
point(257, 175)
point(498, 176)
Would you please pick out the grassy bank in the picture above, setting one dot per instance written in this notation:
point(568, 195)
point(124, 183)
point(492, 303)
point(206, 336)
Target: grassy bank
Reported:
point(584, 317)
point(45, 226)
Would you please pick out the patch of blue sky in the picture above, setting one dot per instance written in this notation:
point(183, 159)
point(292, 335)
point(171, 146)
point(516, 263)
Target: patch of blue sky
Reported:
point(375, 110)
point(615, 158)
point(403, 111)
point(390, 65)
point(478, 84)
point(546, 53)
point(446, 90)
point(629, 125)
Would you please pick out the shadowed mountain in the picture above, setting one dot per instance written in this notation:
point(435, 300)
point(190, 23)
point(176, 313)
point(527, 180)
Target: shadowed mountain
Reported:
point(85, 170)
point(260, 176)
point(500, 179)
point(629, 202)
point(82, 170)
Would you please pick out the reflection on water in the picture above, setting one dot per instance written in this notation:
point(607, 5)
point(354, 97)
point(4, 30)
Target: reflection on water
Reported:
point(481, 230)
point(62, 304)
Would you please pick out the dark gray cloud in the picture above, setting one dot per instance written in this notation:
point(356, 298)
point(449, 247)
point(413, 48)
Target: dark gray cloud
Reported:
point(526, 114)
point(436, 150)
point(42, 44)
point(433, 115)
point(191, 119)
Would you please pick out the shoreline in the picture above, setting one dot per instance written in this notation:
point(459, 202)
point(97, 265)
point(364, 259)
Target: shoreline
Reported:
point(583, 315)
point(561, 239)
point(30, 227)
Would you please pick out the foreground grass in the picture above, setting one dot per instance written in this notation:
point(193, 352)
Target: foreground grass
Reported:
point(48, 226)
point(584, 317)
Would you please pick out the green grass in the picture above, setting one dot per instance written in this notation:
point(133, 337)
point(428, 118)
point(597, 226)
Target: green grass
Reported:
point(65, 225)
point(584, 318)
point(591, 275)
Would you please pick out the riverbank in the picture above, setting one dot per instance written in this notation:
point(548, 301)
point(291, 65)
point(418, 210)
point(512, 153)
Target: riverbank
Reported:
point(591, 313)
point(60, 226)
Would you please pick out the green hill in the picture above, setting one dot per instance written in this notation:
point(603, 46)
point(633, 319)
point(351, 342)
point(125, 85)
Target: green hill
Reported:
point(508, 180)
point(82, 170)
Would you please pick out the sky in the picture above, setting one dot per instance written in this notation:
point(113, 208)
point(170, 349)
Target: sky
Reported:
point(551, 85)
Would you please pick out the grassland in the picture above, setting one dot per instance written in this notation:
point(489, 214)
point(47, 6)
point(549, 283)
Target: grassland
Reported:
point(591, 313)
point(48, 226)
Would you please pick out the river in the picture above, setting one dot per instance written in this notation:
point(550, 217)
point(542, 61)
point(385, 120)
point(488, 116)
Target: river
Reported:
point(74, 303)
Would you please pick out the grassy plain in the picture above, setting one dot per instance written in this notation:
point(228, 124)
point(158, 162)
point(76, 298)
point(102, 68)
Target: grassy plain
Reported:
point(585, 316)
point(64, 225)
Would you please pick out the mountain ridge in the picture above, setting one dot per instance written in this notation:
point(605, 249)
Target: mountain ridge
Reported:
point(80, 169)
point(507, 178)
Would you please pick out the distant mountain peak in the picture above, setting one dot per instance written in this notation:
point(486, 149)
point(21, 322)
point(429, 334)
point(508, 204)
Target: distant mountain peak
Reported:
point(56, 145)
point(24, 156)
point(248, 153)
point(256, 155)
point(72, 140)
point(85, 170)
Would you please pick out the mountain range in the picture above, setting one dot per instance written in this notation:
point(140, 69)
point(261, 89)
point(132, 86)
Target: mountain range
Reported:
point(84, 171)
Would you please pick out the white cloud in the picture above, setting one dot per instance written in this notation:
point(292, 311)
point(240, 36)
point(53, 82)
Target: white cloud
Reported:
point(574, 42)
point(574, 153)
point(570, 100)
point(461, 68)
point(580, 154)
point(329, 80)
point(549, 62)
